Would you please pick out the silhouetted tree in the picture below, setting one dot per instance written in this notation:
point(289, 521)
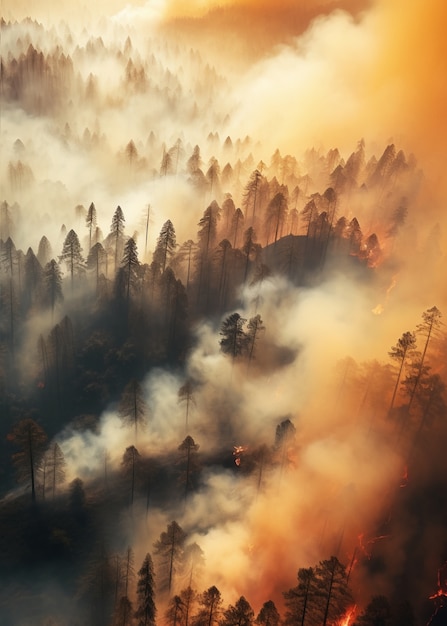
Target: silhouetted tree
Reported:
point(55, 467)
point(131, 464)
point(91, 221)
point(234, 338)
point(210, 603)
point(239, 614)
point(44, 251)
point(131, 266)
point(133, 406)
point(145, 610)
point(30, 438)
point(186, 395)
point(303, 602)
point(72, 255)
point(169, 552)
point(377, 613)
point(268, 615)
point(404, 347)
point(254, 327)
point(117, 234)
point(52, 285)
point(166, 245)
point(428, 329)
point(188, 449)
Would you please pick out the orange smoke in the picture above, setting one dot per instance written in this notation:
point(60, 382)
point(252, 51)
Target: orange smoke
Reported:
point(409, 70)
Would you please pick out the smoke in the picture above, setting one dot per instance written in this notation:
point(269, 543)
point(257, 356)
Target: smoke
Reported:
point(358, 70)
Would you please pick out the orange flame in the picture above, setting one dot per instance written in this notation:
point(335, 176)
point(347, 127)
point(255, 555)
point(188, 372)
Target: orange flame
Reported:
point(237, 452)
point(348, 617)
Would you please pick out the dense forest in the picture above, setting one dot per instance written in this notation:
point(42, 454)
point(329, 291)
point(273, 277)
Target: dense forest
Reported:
point(221, 403)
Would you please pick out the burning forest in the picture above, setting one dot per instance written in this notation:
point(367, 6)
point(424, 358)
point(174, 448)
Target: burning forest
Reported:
point(222, 313)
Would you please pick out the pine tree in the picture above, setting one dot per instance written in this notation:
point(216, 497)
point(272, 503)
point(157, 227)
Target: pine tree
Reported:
point(91, 221)
point(146, 611)
point(169, 552)
point(404, 347)
point(133, 406)
point(234, 338)
point(268, 615)
point(166, 245)
point(241, 614)
point(30, 438)
point(72, 255)
point(52, 281)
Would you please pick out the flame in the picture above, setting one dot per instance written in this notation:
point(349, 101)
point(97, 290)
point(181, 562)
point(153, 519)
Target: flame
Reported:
point(379, 309)
point(363, 545)
point(348, 617)
point(442, 583)
point(237, 452)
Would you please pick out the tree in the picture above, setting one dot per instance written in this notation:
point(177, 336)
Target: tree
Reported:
point(250, 248)
point(277, 210)
point(428, 329)
point(186, 395)
point(192, 562)
point(237, 221)
point(206, 239)
point(117, 233)
point(332, 583)
point(251, 196)
point(52, 280)
point(97, 586)
point(404, 347)
point(72, 255)
point(131, 266)
point(166, 245)
point(254, 327)
point(188, 449)
point(30, 438)
point(303, 602)
point(268, 615)
point(91, 221)
point(123, 614)
point(33, 279)
point(169, 550)
point(131, 152)
point(44, 251)
point(133, 406)
point(234, 338)
point(131, 464)
point(210, 602)
point(212, 175)
point(146, 611)
point(97, 261)
point(55, 466)
point(174, 612)
point(377, 613)
point(241, 614)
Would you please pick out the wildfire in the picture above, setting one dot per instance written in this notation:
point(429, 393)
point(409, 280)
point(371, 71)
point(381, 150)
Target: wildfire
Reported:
point(363, 545)
point(348, 617)
point(237, 453)
point(442, 583)
point(379, 309)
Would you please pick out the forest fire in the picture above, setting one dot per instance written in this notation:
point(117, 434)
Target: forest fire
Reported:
point(442, 583)
point(349, 617)
point(195, 275)
point(237, 453)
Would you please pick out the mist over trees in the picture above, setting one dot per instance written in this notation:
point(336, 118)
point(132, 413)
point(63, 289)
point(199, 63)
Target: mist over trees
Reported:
point(173, 452)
